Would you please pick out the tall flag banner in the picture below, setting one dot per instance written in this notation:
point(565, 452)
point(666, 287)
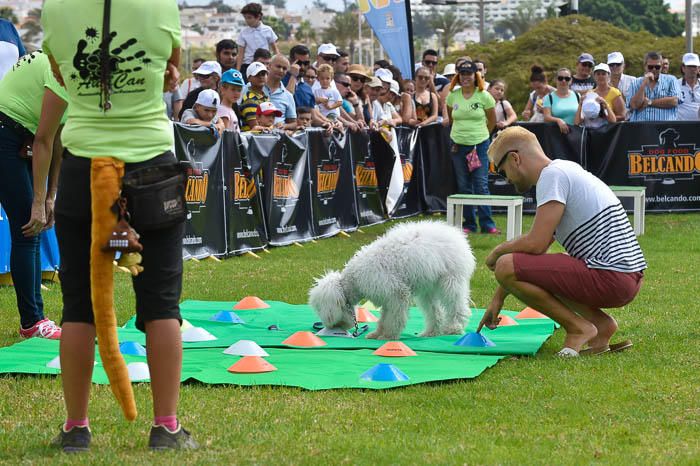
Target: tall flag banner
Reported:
point(391, 22)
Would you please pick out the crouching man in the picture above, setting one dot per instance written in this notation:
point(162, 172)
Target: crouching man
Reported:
point(603, 267)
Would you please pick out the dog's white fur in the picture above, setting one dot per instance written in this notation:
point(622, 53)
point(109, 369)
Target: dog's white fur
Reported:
point(429, 261)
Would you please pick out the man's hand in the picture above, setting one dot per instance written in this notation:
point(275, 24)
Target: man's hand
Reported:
point(491, 260)
point(648, 78)
point(294, 69)
point(490, 319)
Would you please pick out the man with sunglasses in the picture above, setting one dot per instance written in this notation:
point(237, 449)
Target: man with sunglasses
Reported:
point(618, 78)
point(689, 102)
point(603, 265)
point(654, 96)
point(582, 81)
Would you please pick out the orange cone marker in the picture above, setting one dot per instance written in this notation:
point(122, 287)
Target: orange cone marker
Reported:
point(304, 339)
point(530, 313)
point(507, 321)
point(251, 302)
point(251, 365)
point(364, 316)
point(394, 349)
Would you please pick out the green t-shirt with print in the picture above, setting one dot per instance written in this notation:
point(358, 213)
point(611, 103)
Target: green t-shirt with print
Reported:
point(143, 35)
point(469, 116)
point(22, 89)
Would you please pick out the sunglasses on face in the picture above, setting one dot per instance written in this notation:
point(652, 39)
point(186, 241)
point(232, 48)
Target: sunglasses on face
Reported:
point(653, 67)
point(564, 78)
point(357, 78)
point(430, 62)
point(466, 73)
point(500, 171)
point(329, 57)
point(309, 76)
point(587, 65)
point(614, 65)
point(303, 63)
point(343, 83)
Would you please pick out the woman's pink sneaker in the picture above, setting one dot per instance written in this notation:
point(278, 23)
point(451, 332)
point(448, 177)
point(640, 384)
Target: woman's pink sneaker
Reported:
point(43, 329)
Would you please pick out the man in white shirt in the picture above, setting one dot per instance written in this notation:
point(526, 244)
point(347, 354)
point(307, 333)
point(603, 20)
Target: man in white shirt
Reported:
point(618, 78)
point(689, 100)
point(603, 266)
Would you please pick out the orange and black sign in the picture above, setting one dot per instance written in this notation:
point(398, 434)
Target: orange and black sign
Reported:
point(284, 186)
point(244, 186)
point(197, 186)
point(366, 175)
point(668, 159)
point(327, 175)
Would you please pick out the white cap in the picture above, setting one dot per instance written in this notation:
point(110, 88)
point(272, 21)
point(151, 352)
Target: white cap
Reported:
point(208, 98)
point(615, 58)
point(449, 70)
point(602, 67)
point(394, 87)
point(590, 107)
point(254, 69)
point(384, 74)
point(691, 59)
point(328, 49)
point(374, 82)
point(208, 67)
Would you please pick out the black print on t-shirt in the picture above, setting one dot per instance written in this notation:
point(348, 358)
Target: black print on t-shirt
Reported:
point(125, 61)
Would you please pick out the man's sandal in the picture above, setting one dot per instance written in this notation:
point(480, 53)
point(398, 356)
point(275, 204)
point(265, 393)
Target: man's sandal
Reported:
point(613, 348)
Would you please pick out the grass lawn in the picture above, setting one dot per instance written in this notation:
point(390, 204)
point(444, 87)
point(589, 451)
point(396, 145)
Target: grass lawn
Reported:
point(637, 407)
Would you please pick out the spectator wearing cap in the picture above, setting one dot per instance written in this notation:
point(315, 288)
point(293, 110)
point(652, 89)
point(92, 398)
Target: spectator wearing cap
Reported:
point(279, 95)
point(373, 87)
point(209, 75)
point(689, 101)
point(384, 113)
point(226, 52)
point(472, 112)
point(614, 102)
point(255, 35)
point(265, 115)
point(618, 78)
point(342, 63)
point(561, 105)
point(593, 112)
point(230, 90)
point(654, 96)
point(254, 95)
point(191, 83)
point(327, 55)
point(582, 81)
point(449, 71)
point(203, 113)
point(11, 47)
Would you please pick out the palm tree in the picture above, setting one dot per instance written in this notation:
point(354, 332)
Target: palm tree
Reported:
point(525, 18)
point(343, 31)
point(305, 33)
point(450, 24)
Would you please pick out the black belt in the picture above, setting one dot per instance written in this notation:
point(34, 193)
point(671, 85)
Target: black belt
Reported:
point(10, 123)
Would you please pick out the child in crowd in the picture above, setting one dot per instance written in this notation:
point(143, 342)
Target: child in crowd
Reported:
point(230, 90)
point(203, 113)
point(328, 99)
point(255, 36)
point(303, 118)
point(505, 115)
point(265, 117)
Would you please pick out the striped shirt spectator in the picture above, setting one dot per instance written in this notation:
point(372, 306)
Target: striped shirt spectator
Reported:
point(11, 47)
point(654, 96)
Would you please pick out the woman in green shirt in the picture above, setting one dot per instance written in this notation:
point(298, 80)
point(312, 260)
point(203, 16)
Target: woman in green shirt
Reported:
point(472, 112)
point(32, 105)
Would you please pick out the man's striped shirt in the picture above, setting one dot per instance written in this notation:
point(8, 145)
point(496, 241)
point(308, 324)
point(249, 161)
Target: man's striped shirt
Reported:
point(666, 87)
point(594, 227)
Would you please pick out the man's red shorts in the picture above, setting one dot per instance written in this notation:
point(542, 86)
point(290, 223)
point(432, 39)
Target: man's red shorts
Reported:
point(570, 278)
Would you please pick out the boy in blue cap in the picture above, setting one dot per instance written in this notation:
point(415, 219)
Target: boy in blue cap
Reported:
point(230, 90)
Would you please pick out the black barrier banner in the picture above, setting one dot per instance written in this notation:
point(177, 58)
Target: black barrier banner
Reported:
point(333, 188)
point(286, 187)
point(369, 201)
point(246, 223)
point(409, 203)
point(437, 180)
point(663, 156)
point(205, 232)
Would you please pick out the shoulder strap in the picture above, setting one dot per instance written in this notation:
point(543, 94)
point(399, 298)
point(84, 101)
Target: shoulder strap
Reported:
point(105, 71)
point(551, 100)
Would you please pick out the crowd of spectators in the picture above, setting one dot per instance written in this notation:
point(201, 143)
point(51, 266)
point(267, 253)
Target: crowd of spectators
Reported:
point(337, 94)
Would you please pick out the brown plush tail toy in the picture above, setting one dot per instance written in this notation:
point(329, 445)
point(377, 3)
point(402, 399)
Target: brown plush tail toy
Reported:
point(105, 180)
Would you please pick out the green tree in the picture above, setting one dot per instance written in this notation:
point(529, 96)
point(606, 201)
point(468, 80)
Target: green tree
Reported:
point(450, 24)
point(305, 33)
point(526, 16)
point(343, 31)
point(220, 6)
point(636, 15)
point(8, 13)
point(281, 28)
point(276, 3)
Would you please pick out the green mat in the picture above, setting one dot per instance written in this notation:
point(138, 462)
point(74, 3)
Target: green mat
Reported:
point(523, 339)
point(340, 364)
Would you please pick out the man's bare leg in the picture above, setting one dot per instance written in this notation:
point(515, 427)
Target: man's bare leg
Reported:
point(579, 331)
point(606, 325)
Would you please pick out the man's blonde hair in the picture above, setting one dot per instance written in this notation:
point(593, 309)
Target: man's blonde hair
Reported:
point(511, 139)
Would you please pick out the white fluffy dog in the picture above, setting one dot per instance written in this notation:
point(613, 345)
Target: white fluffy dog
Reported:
point(428, 261)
